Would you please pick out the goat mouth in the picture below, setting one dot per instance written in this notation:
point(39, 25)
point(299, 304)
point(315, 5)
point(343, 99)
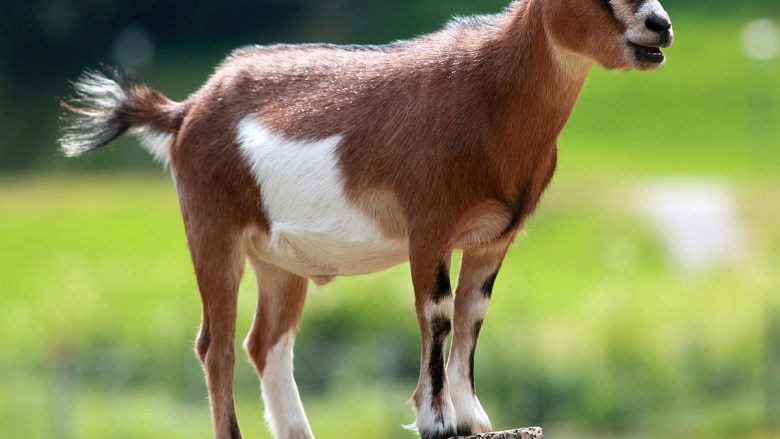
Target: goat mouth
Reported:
point(647, 53)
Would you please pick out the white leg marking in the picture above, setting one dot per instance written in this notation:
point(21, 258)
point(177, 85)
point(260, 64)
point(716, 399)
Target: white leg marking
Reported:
point(432, 422)
point(471, 417)
point(314, 228)
point(468, 410)
point(283, 407)
point(444, 308)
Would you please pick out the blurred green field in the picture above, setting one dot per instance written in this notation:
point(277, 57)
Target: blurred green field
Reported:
point(593, 331)
point(590, 327)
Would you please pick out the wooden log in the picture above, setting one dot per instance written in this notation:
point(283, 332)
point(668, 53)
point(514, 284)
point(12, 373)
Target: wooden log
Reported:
point(523, 433)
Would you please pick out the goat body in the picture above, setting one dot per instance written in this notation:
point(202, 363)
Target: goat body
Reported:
point(317, 161)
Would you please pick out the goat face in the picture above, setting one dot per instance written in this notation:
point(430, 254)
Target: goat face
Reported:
point(617, 34)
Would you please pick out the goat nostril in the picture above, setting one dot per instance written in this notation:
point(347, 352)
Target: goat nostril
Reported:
point(658, 24)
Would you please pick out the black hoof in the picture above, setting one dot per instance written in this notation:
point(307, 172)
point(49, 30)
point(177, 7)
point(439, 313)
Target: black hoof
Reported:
point(434, 435)
point(465, 430)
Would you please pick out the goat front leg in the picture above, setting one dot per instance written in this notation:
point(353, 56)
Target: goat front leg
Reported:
point(475, 287)
point(434, 306)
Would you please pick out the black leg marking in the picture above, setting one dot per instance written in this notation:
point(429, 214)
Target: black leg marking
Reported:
point(487, 286)
point(477, 329)
point(519, 208)
point(235, 432)
point(442, 289)
point(527, 197)
point(440, 329)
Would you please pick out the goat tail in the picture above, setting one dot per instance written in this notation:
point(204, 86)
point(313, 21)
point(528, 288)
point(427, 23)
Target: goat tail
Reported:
point(106, 105)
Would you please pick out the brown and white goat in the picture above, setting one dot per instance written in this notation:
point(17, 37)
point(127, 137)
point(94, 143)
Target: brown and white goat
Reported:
point(316, 161)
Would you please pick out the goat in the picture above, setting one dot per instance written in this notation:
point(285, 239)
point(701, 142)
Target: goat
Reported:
point(317, 161)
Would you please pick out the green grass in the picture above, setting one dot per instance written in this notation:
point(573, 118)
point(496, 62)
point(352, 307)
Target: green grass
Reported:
point(592, 332)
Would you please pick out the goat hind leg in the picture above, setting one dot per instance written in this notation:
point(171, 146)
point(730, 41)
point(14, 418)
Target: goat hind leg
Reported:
point(219, 260)
point(281, 296)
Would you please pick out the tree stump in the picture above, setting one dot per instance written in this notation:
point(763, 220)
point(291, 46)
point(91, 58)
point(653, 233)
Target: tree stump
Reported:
point(523, 433)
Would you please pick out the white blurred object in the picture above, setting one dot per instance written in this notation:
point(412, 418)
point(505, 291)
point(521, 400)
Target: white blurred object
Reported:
point(697, 222)
point(761, 40)
point(133, 46)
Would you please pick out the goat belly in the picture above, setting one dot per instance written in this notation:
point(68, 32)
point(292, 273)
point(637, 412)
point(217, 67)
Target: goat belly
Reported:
point(311, 253)
point(314, 229)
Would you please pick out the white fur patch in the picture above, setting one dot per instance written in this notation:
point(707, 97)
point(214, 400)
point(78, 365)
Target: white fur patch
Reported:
point(430, 422)
point(468, 410)
point(650, 8)
point(445, 307)
point(157, 143)
point(314, 229)
point(283, 407)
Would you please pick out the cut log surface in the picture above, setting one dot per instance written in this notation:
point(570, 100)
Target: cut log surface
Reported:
point(523, 433)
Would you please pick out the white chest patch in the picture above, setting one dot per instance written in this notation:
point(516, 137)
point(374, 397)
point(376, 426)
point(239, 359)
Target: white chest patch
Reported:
point(314, 229)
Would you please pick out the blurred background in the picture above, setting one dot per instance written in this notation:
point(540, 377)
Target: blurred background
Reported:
point(644, 300)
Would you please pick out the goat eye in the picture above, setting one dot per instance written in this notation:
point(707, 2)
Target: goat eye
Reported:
point(608, 6)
